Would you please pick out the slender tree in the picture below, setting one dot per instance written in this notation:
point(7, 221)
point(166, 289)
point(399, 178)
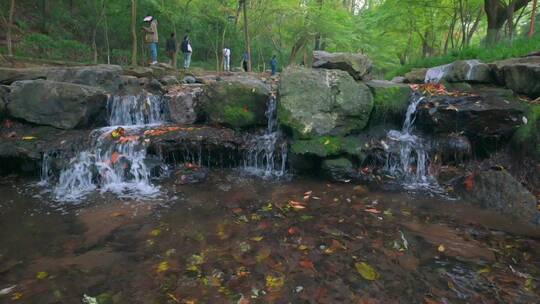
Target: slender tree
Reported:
point(533, 19)
point(498, 13)
point(246, 33)
point(10, 28)
point(134, 32)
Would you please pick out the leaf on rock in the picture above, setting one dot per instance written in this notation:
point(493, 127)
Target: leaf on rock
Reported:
point(366, 271)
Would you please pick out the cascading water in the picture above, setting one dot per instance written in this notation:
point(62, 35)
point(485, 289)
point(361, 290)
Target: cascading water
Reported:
point(412, 161)
point(266, 155)
point(112, 165)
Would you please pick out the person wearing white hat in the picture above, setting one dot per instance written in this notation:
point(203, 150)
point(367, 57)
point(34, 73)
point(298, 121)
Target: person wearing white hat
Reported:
point(151, 37)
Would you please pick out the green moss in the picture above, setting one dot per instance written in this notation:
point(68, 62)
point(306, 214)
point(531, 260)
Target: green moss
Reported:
point(390, 103)
point(527, 138)
point(237, 116)
point(354, 147)
point(323, 146)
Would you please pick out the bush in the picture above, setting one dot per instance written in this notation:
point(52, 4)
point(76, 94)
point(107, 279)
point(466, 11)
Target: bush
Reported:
point(121, 57)
point(45, 47)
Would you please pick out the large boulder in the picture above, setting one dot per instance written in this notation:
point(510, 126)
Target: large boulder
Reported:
point(498, 190)
point(521, 75)
point(318, 102)
point(183, 101)
point(460, 71)
point(416, 76)
point(57, 104)
point(10, 75)
point(475, 116)
point(103, 76)
point(390, 102)
point(357, 65)
point(238, 102)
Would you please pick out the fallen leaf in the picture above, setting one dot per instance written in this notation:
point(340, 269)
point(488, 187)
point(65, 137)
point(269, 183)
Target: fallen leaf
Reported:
point(274, 282)
point(114, 157)
point(293, 230)
point(297, 205)
point(17, 296)
point(28, 138)
point(257, 238)
point(162, 267)
point(372, 210)
point(170, 295)
point(469, 182)
point(307, 264)
point(366, 271)
point(441, 248)
point(42, 275)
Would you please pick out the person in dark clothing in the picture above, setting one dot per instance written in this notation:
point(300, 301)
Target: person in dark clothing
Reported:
point(187, 50)
point(273, 65)
point(171, 48)
point(245, 61)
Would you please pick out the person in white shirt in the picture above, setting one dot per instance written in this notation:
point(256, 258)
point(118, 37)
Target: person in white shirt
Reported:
point(226, 59)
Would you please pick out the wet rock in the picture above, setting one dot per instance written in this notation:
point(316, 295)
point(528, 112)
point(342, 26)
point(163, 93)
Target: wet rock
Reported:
point(183, 102)
point(455, 245)
point(457, 86)
point(340, 169)
point(461, 71)
point(155, 85)
point(522, 75)
point(451, 147)
point(189, 80)
point(357, 65)
point(498, 190)
point(398, 79)
point(238, 102)
point(319, 102)
point(169, 80)
point(102, 76)
point(327, 146)
point(475, 116)
point(416, 76)
point(57, 104)
point(191, 174)
point(390, 101)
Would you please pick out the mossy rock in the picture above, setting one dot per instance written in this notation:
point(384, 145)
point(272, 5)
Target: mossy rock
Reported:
point(328, 146)
point(321, 102)
point(239, 103)
point(526, 140)
point(3, 105)
point(390, 102)
point(339, 169)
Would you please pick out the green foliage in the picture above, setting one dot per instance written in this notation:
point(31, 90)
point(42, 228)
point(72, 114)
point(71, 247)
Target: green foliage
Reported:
point(43, 46)
point(527, 138)
point(238, 116)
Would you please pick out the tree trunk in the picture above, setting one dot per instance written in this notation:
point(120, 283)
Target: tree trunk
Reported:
point(10, 28)
point(318, 36)
point(134, 32)
point(533, 19)
point(107, 44)
point(246, 34)
point(497, 14)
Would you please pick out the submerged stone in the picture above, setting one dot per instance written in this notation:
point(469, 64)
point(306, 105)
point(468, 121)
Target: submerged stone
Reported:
point(319, 102)
point(340, 169)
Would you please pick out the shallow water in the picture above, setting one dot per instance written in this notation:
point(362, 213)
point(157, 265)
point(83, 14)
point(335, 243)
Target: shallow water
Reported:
point(234, 238)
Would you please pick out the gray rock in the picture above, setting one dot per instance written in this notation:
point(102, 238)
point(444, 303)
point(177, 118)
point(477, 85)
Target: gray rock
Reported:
point(102, 76)
point(522, 75)
point(4, 91)
point(58, 104)
point(183, 102)
point(398, 79)
point(416, 76)
point(498, 190)
point(154, 84)
point(189, 80)
point(390, 102)
point(476, 116)
point(340, 170)
point(237, 102)
point(10, 75)
point(138, 72)
point(169, 80)
point(316, 102)
point(472, 71)
point(357, 65)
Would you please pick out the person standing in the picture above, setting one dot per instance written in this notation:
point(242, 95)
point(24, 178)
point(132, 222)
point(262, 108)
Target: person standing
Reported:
point(151, 36)
point(171, 48)
point(226, 59)
point(245, 60)
point(273, 65)
point(187, 50)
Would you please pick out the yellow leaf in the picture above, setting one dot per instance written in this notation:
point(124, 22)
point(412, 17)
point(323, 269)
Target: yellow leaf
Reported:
point(274, 282)
point(162, 267)
point(303, 247)
point(484, 270)
point(28, 138)
point(155, 232)
point(17, 296)
point(366, 271)
point(441, 248)
point(327, 142)
point(42, 275)
point(257, 238)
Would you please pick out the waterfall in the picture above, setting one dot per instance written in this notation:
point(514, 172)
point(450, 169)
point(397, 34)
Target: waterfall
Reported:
point(436, 74)
point(110, 164)
point(412, 161)
point(266, 154)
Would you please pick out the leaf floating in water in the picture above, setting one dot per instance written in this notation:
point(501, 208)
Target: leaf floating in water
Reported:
point(297, 205)
point(42, 275)
point(372, 210)
point(441, 248)
point(155, 232)
point(89, 300)
point(366, 271)
point(307, 264)
point(257, 238)
point(162, 267)
point(274, 282)
point(28, 138)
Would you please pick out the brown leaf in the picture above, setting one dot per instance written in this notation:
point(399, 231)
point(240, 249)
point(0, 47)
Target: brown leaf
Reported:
point(307, 264)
